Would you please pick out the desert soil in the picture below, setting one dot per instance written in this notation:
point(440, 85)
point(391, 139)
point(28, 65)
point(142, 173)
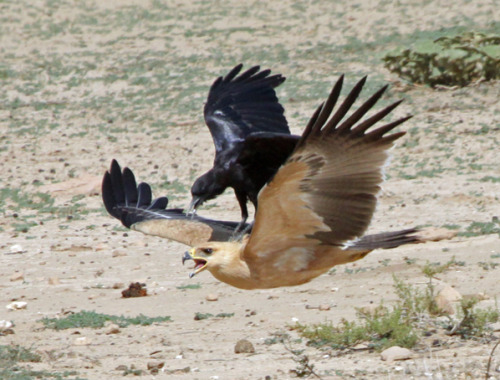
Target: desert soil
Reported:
point(84, 82)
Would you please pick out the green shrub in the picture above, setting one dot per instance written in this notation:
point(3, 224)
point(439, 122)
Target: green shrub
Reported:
point(449, 61)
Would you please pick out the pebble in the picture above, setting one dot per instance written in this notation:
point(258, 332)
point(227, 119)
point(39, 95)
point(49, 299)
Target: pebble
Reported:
point(81, 341)
point(212, 297)
point(5, 325)
point(112, 329)
point(244, 346)
point(154, 367)
point(17, 305)
point(16, 248)
point(396, 353)
point(324, 307)
point(17, 276)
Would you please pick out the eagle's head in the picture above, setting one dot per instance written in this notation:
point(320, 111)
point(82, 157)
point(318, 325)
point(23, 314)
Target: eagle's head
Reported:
point(222, 259)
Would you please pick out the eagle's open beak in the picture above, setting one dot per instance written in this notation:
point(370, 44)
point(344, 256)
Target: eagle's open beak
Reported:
point(200, 263)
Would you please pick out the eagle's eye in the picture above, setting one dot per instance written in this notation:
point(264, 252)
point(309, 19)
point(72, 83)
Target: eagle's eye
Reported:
point(207, 251)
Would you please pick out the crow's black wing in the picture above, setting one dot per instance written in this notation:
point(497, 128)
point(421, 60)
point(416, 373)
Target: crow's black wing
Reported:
point(134, 207)
point(239, 105)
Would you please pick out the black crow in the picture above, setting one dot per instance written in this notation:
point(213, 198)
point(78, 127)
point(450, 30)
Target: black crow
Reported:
point(250, 134)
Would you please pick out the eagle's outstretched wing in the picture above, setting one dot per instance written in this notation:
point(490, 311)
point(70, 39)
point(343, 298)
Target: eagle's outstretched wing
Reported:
point(239, 105)
point(314, 212)
point(134, 207)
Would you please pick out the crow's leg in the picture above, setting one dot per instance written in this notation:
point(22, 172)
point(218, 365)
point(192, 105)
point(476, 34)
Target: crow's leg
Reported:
point(242, 200)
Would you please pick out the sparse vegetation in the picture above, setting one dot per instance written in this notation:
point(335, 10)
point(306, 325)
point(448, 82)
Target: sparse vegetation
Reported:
point(189, 286)
point(404, 324)
point(450, 61)
point(92, 319)
point(200, 316)
point(11, 356)
point(481, 228)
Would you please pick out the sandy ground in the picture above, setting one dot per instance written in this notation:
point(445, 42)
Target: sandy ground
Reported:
point(84, 82)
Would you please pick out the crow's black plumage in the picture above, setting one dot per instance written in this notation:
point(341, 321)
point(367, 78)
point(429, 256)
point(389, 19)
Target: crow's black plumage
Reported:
point(250, 134)
point(134, 206)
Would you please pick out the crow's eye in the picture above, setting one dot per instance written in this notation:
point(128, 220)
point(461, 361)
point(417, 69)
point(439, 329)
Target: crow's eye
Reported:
point(208, 251)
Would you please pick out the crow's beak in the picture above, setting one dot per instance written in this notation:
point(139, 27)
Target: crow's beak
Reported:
point(195, 202)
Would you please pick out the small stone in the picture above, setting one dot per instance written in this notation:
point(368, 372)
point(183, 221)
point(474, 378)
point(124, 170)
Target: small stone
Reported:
point(118, 285)
point(18, 305)
point(16, 248)
point(81, 341)
point(54, 281)
point(212, 297)
point(154, 367)
point(244, 346)
point(121, 367)
point(360, 347)
point(5, 325)
point(446, 297)
point(396, 353)
point(17, 276)
point(112, 329)
point(324, 307)
point(118, 253)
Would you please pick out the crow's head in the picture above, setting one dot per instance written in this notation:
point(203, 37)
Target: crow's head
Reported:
point(206, 187)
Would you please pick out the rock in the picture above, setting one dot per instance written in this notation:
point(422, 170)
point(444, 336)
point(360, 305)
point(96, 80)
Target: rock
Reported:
point(212, 297)
point(5, 325)
point(18, 305)
point(154, 367)
point(446, 298)
point(244, 346)
point(16, 249)
point(118, 285)
point(54, 281)
point(82, 341)
point(396, 353)
point(360, 347)
point(18, 276)
point(112, 329)
point(324, 307)
point(121, 367)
